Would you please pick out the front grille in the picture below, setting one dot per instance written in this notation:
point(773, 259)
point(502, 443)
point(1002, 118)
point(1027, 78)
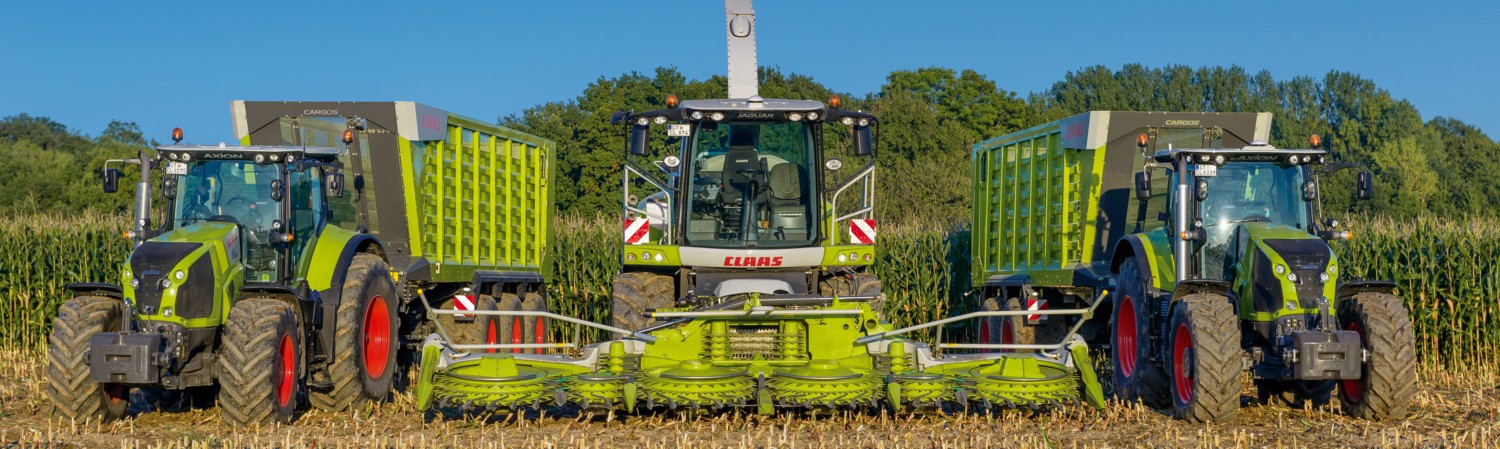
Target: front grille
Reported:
point(151, 263)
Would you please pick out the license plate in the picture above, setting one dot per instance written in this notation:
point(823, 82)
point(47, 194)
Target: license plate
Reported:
point(176, 168)
point(1206, 170)
point(679, 130)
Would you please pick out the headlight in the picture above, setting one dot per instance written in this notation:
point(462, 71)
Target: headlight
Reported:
point(847, 121)
point(658, 257)
point(697, 115)
point(1280, 269)
point(660, 119)
point(135, 283)
point(275, 157)
point(172, 156)
point(260, 158)
point(1291, 277)
point(843, 258)
point(812, 116)
point(179, 275)
point(1324, 277)
point(1293, 159)
point(187, 157)
point(166, 283)
point(642, 121)
point(864, 121)
point(1219, 159)
point(717, 116)
point(794, 116)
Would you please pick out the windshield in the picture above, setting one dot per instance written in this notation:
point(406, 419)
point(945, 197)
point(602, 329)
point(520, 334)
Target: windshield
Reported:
point(1245, 192)
point(234, 192)
point(751, 185)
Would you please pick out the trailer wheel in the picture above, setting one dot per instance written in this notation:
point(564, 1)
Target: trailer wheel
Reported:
point(73, 395)
point(510, 329)
point(1294, 393)
point(635, 292)
point(1386, 384)
point(483, 330)
point(990, 327)
point(1015, 329)
point(1136, 378)
point(536, 328)
point(367, 337)
point(1204, 358)
point(260, 363)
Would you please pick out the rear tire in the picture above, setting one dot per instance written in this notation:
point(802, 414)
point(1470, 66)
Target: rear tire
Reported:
point(260, 363)
point(990, 327)
point(367, 337)
point(1136, 378)
point(635, 292)
point(483, 330)
point(1204, 359)
point(512, 329)
point(73, 395)
point(1388, 381)
point(1019, 331)
point(536, 329)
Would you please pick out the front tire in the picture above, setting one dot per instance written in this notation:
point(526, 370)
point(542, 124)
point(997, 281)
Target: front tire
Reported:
point(635, 292)
point(1387, 382)
point(366, 338)
point(73, 395)
point(1015, 329)
point(260, 364)
point(1204, 359)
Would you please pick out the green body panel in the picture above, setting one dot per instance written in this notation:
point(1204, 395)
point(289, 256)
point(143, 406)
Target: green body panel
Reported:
point(327, 252)
point(1158, 258)
point(229, 275)
point(1257, 234)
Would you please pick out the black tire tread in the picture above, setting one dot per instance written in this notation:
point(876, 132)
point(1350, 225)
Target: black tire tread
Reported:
point(247, 362)
point(1214, 328)
point(1047, 332)
point(73, 395)
point(344, 369)
point(633, 293)
point(1391, 371)
point(1150, 384)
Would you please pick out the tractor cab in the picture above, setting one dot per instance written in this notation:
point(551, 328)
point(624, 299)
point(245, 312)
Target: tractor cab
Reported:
point(274, 195)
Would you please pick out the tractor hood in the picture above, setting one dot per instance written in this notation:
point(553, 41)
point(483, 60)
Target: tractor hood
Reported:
point(1291, 271)
point(172, 277)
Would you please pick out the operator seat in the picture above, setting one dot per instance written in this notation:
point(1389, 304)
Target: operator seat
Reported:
point(742, 174)
point(788, 210)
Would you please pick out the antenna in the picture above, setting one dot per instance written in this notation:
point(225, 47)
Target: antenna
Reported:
point(739, 24)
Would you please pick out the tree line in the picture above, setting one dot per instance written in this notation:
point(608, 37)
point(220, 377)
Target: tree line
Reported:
point(930, 119)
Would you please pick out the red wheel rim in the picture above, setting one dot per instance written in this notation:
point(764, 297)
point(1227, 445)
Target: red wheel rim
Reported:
point(1125, 343)
point(377, 347)
point(116, 393)
point(984, 332)
point(286, 371)
point(517, 334)
point(541, 332)
point(491, 335)
point(1354, 389)
point(1007, 334)
point(1182, 373)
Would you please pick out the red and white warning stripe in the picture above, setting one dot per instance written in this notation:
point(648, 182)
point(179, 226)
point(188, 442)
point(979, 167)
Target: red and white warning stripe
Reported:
point(862, 232)
point(637, 231)
point(1034, 305)
point(463, 302)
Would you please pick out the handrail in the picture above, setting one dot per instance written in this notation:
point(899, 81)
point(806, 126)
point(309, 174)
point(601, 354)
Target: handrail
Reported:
point(1089, 311)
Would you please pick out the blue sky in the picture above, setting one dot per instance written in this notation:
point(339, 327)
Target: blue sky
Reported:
point(179, 63)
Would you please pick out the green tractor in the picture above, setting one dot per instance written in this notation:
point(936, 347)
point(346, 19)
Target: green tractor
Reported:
point(746, 284)
point(1242, 277)
point(243, 290)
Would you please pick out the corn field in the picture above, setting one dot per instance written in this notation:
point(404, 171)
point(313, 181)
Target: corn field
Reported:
point(1447, 272)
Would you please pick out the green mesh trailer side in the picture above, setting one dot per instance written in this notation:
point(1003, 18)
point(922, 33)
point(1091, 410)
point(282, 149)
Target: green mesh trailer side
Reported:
point(1050, 202)
point(447, 195)
point(485, 200)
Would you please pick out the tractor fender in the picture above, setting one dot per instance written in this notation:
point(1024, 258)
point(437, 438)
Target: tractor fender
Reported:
point(1352, 288)
point(332, 255)
point(96, 289)
point(1130, 246)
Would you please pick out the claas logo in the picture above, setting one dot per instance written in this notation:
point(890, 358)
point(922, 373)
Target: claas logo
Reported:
point(734, 261)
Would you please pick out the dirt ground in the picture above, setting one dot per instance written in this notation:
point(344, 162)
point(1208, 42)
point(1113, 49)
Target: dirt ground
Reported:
point(1453, 408)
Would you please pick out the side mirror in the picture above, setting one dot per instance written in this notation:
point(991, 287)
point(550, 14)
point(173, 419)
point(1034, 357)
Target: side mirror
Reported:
point(638, 139)
point(1200, 189)
point(111, 180)
point(169, 187)
point(333, 185)
point(864, 143)
point(1365, 187)
point(1309, 191)
point(1142, 186)
point(276, 190)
